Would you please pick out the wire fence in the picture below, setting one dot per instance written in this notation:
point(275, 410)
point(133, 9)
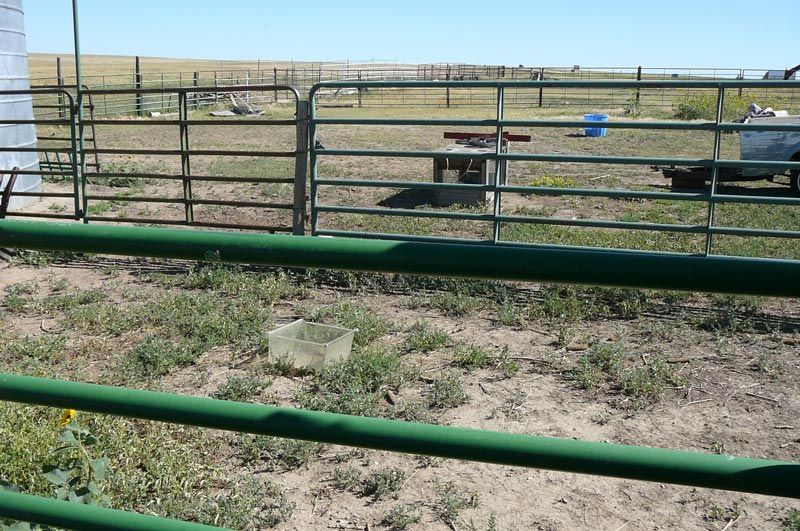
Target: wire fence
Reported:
point(305, 76)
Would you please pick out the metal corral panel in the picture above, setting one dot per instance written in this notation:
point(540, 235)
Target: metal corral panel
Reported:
point(14, 76)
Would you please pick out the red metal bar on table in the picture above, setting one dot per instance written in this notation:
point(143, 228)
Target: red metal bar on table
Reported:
point(506, 136)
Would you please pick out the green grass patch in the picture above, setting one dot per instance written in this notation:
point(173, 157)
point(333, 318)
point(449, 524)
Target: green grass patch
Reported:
point(241, 388)
point(446, 392)
point(424, 338)
point(357, 385)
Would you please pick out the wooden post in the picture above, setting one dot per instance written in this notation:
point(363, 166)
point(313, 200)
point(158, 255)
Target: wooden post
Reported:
point(360, 101)
point(541, 88)
point(60, 82)
point(137, 82)
point(448, 88)
point(638, 89)
point(741, 76)
point(216, 94)
point(300, 169)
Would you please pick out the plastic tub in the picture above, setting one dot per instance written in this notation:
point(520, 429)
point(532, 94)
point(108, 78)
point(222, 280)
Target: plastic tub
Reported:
point(310, 345)
point(595, 131)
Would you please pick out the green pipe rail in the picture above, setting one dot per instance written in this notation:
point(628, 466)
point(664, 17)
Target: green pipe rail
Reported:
point(499, 221)
point(70, 515)
point(759, 476)
point(558, 264)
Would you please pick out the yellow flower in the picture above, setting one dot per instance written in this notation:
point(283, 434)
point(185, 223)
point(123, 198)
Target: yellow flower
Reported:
point(67, 416)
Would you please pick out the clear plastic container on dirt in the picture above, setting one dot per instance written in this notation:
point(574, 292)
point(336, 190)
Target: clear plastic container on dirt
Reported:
point(310, 345)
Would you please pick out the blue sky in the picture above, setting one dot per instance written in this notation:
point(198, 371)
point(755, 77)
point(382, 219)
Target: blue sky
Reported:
point(678, 33)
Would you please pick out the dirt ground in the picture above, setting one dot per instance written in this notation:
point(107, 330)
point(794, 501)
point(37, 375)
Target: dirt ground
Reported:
point(735, 396)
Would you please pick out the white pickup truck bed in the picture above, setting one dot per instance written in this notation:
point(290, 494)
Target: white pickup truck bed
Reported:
point(769, 145)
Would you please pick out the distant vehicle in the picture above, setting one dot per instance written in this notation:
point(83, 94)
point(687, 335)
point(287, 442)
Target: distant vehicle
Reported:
point(753, 145)
point(771, 145)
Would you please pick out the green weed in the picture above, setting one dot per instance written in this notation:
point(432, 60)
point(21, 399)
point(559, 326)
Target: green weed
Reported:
point(423, 338)
point(471, 357)
point(357, 385)
point(382, 483)
point(446, 392)
point(241, 388)
point(401, 517)
point(346, 478)
point(156, 356)
point(451, 501)
point(278, 454)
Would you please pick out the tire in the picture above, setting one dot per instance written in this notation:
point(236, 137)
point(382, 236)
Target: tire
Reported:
point(794, 181)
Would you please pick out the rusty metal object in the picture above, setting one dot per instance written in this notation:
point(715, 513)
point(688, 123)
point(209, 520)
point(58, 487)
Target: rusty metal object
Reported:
point(6, 197)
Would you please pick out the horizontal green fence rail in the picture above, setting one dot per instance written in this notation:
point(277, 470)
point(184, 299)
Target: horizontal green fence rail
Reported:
point(759, 476)
point(71, 515)
point(503, 262)
point(716, 167)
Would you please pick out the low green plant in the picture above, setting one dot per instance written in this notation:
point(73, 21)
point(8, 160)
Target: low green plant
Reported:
point(792, 521)
point(560, 303)
point(128, 166)
point(552, 181)
point(452, 500)
point(424, 338)
point(255, 504)
point(369, 325)
point(415, 411)
point(382, 483)
point(41, 347)
point(587, 375)
point(346, 478)
point(156, 356)
point(454, 304)
point(278, 454)
point(446, 392)
point(241, 388)
point(471, 357)
point(75, 474)
point(767, 364)
point(730, 314)
point(401, 517)
point(357, 385)
point(610, 365)
point(510, 314)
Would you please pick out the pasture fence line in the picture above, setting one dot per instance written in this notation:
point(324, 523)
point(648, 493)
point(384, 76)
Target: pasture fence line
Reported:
point(305, 75)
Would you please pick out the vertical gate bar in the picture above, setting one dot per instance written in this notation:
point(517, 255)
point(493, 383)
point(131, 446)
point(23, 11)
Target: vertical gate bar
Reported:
point(312, 147)
point(714, 169)
point(498, 165)
point(74, 164)
point(81, 147)
point(183, 116)
point(300, 169)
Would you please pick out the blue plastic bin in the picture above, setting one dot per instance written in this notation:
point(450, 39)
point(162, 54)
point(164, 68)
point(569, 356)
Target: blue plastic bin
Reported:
point(595, 131)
